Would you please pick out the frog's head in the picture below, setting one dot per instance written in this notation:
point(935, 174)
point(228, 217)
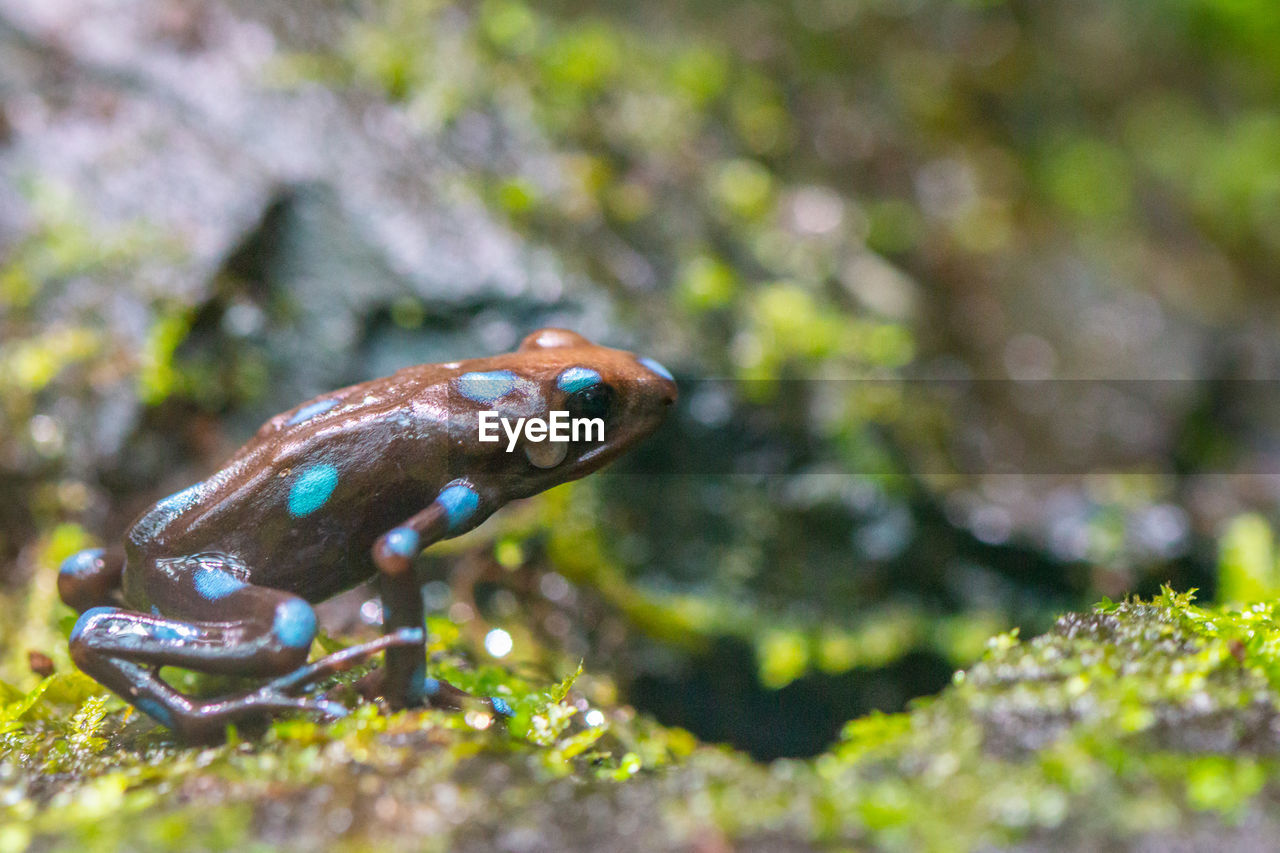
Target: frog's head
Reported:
point(555, 370)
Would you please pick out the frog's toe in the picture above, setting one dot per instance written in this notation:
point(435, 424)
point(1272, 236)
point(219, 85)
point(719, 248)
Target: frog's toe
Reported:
point(273, 701)
point(329, 709)
point(406, 636)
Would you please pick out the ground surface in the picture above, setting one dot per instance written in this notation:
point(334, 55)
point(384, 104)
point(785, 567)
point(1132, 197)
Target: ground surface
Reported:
point(1135, 726)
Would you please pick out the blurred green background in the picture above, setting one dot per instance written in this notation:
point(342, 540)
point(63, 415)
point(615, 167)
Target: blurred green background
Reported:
point(972, 305)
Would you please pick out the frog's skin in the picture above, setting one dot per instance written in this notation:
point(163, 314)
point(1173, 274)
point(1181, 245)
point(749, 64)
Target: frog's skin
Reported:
point(221, 576)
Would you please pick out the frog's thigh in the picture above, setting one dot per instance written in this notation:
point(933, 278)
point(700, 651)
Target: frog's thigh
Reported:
point(207, 620)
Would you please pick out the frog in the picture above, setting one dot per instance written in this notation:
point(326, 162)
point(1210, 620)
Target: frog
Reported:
point(222, 576)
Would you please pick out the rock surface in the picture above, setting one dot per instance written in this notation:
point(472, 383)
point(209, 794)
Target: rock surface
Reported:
point(1139, 726)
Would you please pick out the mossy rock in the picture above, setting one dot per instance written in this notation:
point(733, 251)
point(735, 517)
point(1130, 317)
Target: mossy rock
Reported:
point(1138, 725)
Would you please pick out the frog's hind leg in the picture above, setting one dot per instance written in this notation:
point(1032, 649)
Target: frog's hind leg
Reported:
point(91, 578)
point(105, 639)
point(226, 626)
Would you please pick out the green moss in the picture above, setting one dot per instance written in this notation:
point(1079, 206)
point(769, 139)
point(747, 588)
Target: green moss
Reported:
point(1247, 563)
point(1139, 718)
point(158, 376)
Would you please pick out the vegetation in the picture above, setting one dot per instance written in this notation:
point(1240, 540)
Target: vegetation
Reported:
point(1153, 719)
point(971, 306)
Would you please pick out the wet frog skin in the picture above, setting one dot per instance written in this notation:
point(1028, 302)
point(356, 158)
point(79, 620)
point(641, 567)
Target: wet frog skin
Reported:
point(221, 576)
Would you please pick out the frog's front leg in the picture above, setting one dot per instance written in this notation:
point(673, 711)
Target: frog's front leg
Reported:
point(219, 624)
point(405, 683)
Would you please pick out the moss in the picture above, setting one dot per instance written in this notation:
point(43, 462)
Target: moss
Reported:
point(1137, 719)
point(1247, 563)
point(1130, 719)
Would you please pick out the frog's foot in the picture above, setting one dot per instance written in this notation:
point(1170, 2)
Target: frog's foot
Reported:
point(304, 676)
point(206, 722)
point(441, 694)
point(197, 721)
point(266, 701)
point(433, 692)
point(124, 650)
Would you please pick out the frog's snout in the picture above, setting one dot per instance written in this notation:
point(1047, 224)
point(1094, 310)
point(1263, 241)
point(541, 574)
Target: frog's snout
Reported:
point(668, 391)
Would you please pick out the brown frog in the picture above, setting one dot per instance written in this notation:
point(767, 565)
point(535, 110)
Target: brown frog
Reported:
point(221, 576)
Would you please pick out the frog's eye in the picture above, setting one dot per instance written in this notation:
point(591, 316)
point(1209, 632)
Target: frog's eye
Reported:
point(594, 401)
point(588, 395)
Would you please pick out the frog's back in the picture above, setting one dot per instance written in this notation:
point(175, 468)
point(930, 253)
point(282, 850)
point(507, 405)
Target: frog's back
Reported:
point(365, 399)
point(301, 503)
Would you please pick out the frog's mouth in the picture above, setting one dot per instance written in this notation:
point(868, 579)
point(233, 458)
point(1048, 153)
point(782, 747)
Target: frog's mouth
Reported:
point(637, 422)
